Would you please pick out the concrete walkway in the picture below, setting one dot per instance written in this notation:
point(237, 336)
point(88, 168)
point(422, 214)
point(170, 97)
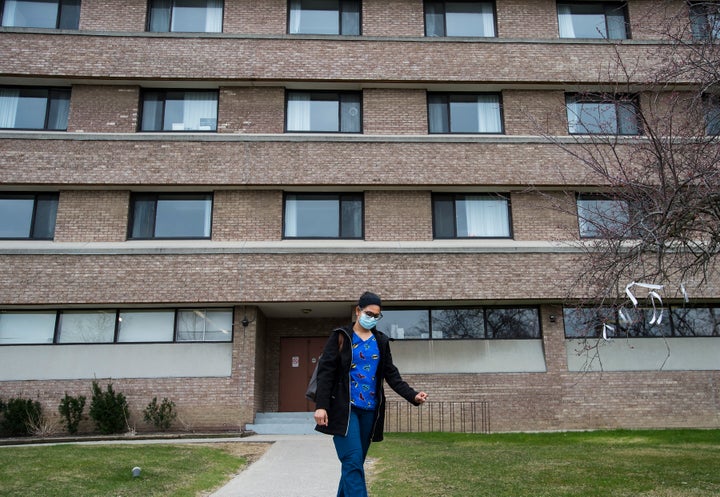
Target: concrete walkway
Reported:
point(293, 466)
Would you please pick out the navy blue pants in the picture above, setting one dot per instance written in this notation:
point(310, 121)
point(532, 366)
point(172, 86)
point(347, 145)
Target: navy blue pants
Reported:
point(351, 451)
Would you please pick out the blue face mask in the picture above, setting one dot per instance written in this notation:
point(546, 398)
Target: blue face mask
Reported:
point(367, 322)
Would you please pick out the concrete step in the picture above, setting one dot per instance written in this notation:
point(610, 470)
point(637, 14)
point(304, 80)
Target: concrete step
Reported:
point(283, 423)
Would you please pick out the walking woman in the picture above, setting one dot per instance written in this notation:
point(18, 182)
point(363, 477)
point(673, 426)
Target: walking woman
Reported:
point(350, 399)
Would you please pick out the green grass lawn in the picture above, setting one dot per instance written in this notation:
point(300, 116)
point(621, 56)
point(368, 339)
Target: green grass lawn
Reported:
point(106, 470)
point(672, 463)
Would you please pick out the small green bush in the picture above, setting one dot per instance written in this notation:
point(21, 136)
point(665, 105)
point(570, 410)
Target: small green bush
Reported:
point(109, 410)
point(160, 415)
point(71, 409)
point(19, 415)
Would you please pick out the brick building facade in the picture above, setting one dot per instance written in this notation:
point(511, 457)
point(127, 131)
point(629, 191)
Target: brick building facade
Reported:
point(252, 168)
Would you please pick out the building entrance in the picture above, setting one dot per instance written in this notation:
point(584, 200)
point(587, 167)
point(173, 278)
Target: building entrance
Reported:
point(298, 357)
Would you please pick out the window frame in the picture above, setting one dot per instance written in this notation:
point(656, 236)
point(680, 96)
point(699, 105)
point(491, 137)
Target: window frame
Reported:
point(319, 93)
point(52, 94)
point(486, 310)
point(444, 17)
point(581, 196)
point(60, 23)
point(359, 196)
point(606, 7)
point(448, 101)
point(341, 7)
point(36, 196)
point(437, 196)
point(163, 92)
point(155, 197)
point(57, 327)
point(148, 22)
point(616, 100)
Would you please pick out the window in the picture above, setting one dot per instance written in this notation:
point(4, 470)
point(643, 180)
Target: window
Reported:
point(464, 113)
point(461, 18)
point(324, 17)
point(329, 112)
point(146, 326)
point(177, 110)
point(696, 321)
point(34, 108)
point(323, 215)
point(28, 216)
point(712, 115)
point(204, 325)
point(461, 323)
point(27, 327)
point(53, 14)
point(602, 115)
point(189, 16)
point(116, 326)
point(87, 327)
point(470, 216)
point(170, 215)
point(593, 20)
point(603, 217)
point(705, 20)
point(597, 322)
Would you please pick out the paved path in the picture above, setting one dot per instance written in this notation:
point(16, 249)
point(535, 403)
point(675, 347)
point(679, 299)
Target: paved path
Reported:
point(293, 466)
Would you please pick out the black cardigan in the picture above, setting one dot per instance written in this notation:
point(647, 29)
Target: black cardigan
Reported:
point(333, 383)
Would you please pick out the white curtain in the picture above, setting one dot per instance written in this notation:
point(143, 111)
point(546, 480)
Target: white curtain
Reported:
point(487, 20)
point(298, 112)
point(9, 100)
point(213, 21)
point(485, 216)
point(295, 13)
point(160, 15)
point(290, 217)
point(9, 11)
point(208, 218)
point(489, 114)
point(565, 21)
point(200, 111)
point(59, 118)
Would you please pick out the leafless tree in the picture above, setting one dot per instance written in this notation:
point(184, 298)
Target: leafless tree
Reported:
point(656, 215)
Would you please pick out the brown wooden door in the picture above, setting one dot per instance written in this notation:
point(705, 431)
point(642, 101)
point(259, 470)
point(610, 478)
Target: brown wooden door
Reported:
point(298, 357)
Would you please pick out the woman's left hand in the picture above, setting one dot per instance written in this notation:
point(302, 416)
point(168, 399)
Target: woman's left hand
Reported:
point(421, 397)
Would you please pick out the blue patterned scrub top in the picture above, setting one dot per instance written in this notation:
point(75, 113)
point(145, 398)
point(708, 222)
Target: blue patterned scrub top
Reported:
point(363, 372)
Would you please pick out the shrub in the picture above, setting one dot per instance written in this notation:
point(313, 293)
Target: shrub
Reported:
point(19, 415)
point(71, 409)
point(160, 415)
point(109, 410)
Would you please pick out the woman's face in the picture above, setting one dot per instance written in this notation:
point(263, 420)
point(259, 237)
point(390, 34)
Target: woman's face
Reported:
point(372, 311)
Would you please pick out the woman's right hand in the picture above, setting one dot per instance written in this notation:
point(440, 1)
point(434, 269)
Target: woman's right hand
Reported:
point(321, 417)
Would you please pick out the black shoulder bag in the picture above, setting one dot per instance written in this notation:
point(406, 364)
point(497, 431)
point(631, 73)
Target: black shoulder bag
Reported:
point(312, 386)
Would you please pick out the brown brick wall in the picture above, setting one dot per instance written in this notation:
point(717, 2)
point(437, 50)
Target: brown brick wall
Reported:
point(111, 15)
point(395, 112)
point(92, 216)
point(253, 17)
point(103, 109)
point(523, 19)
point(251, 110)
point(228, 277)
point(532, 112)
point(247, 215)
point(182, 162)
point(544, 216)
point(287, 59)
point(393, 18)
point(398, 216)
